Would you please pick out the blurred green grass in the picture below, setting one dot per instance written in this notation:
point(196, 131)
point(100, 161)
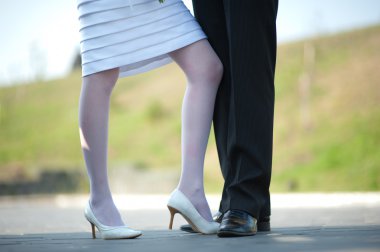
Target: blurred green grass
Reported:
point(338, 150)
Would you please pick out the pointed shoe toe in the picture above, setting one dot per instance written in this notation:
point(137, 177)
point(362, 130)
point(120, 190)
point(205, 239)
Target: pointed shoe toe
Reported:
point(109, 232)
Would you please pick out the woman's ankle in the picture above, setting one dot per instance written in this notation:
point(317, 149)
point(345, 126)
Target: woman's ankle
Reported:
point(99, 200)
point(197, 197)
point(106, 211)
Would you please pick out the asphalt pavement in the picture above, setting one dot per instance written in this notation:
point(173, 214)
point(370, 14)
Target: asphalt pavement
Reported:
point(300, 222)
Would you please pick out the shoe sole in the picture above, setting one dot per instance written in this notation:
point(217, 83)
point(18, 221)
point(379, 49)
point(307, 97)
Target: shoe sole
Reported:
point(233, 234)
point(261, 227)
point(188, 229)
point(123, 238)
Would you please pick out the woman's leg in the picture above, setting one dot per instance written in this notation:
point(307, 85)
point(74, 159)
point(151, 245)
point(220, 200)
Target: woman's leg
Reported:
point(93, 127)
point(204, 71)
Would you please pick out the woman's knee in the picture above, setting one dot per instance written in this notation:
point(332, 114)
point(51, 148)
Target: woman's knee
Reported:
point(104, 80)
point(210, 71)
point(216, 70)
point(199, 62)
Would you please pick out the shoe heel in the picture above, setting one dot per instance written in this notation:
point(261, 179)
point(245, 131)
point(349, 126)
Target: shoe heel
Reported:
point(172, 211)
point(93, 230)
point(263, 226)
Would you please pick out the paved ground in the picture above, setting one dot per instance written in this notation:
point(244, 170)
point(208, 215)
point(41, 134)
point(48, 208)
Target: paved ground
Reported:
point(300, 222)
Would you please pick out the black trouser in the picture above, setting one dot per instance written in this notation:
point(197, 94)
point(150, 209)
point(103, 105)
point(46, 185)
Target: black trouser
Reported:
point(243, 34)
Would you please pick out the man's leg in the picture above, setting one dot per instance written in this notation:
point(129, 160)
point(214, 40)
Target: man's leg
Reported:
point(251, 29)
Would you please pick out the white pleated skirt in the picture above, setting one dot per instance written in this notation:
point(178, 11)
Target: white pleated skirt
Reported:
point(133, 35)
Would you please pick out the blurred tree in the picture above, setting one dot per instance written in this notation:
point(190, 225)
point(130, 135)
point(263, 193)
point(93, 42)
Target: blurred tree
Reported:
point(305, 82)
point(77, 62)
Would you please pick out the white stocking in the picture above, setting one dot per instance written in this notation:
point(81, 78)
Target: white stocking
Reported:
point(93, 129)
point(204, 71)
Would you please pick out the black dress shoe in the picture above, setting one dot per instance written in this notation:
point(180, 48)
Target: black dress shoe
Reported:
point(263, 224)
point(237, 223)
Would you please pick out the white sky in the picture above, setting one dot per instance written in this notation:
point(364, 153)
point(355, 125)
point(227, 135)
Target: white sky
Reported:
point(49, 29)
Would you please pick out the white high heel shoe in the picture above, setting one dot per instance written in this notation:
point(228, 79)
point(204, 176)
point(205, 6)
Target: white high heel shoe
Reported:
point(108, 232)
point(179, 203)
